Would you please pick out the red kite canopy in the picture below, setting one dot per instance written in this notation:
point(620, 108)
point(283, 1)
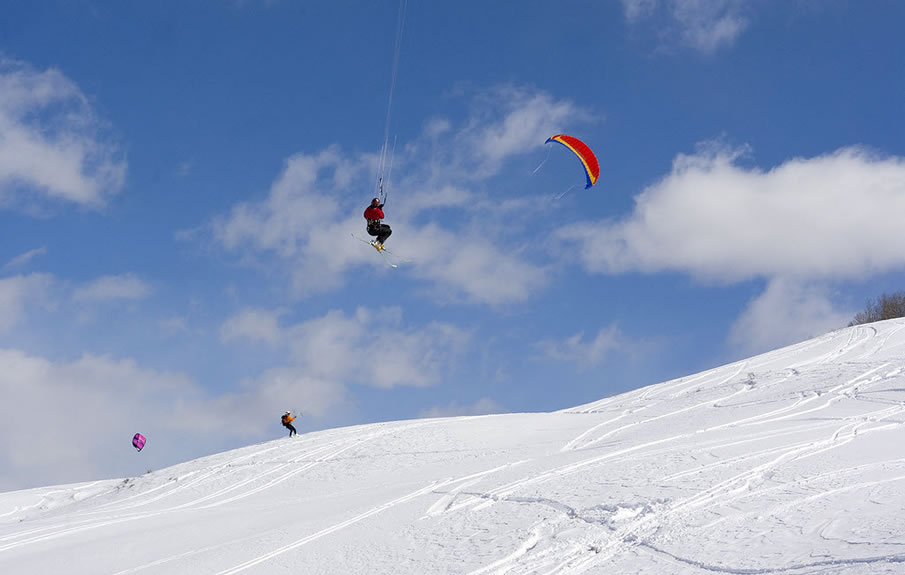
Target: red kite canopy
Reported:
point(584, 153)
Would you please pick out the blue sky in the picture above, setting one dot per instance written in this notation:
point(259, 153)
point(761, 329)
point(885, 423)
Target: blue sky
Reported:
point(179, 182)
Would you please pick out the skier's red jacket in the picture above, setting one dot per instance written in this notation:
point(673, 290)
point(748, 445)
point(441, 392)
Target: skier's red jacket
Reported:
point(374, 213)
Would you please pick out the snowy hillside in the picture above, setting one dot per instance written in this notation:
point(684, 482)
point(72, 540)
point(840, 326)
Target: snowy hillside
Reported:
point(790, 462)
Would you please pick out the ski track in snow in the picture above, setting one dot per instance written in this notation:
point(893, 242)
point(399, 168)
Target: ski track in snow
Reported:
point(324, 453)
point(750, 443)
point(577, 559)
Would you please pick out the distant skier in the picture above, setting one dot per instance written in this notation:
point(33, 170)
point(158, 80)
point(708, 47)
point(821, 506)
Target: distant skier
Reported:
point(374, 213)
point(287, 420)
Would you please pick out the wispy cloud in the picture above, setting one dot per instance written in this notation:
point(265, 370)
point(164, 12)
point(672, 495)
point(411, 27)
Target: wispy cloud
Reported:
point(23, 259)
point(52, 145)
point(299, 201)
point(464, 267)
point(184, 169)
point(585, 353)
point(787, 312)
point(254, 325)
point(265, 396)
point(174, 325)
point(127, 286)
point(353, 348)
point(344, 348)
point(705, 25)
point(16, 293)
point(637, 9)
point(484, 406)
point(510, 121)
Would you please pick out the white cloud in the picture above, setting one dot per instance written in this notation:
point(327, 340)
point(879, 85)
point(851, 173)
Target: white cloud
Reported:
point(374, 348)
point(253, 324)
point(298, 202)
point(585, 353)
point(709, 24)
point(436, 127)
point(484, 406)
point(23, 259)
point(184, 169)
point(835, 216)
point(127, 286)
point(702, 24)
point(787, 312)
point(51, 142)
point(504, 122)
point(174, 325)
point(472, 266)
point(16, 293)
point(523, 124)
point(263, 398)
point(637, 9)
point(369, 347)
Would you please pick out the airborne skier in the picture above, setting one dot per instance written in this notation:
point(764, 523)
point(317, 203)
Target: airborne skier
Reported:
point(374, 213)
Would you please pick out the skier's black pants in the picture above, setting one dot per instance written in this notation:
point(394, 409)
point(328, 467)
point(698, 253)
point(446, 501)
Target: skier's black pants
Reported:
point(290, 428)
point(382, 231)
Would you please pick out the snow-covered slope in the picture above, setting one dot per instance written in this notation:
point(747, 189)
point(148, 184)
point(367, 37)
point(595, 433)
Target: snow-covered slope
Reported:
point(790, 462)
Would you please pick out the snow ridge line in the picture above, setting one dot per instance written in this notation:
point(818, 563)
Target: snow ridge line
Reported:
point(864, 333)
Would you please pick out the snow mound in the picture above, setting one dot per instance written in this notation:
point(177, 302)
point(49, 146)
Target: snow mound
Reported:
point(790, 462)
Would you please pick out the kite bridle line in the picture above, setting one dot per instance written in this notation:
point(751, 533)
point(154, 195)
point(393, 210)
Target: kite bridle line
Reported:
point(569, 189)
point(390, 173)
point(400, 27)
point(547, 157)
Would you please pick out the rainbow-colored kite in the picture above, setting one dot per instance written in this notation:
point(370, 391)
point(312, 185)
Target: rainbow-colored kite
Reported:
point(584, 153)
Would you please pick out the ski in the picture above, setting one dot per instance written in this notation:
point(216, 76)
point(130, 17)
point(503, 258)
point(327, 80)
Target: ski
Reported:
point(386, 259)
point(380, 251)
point(385, 253)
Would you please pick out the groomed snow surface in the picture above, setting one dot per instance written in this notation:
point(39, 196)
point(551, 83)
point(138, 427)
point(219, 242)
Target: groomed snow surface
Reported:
point(791, 462)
